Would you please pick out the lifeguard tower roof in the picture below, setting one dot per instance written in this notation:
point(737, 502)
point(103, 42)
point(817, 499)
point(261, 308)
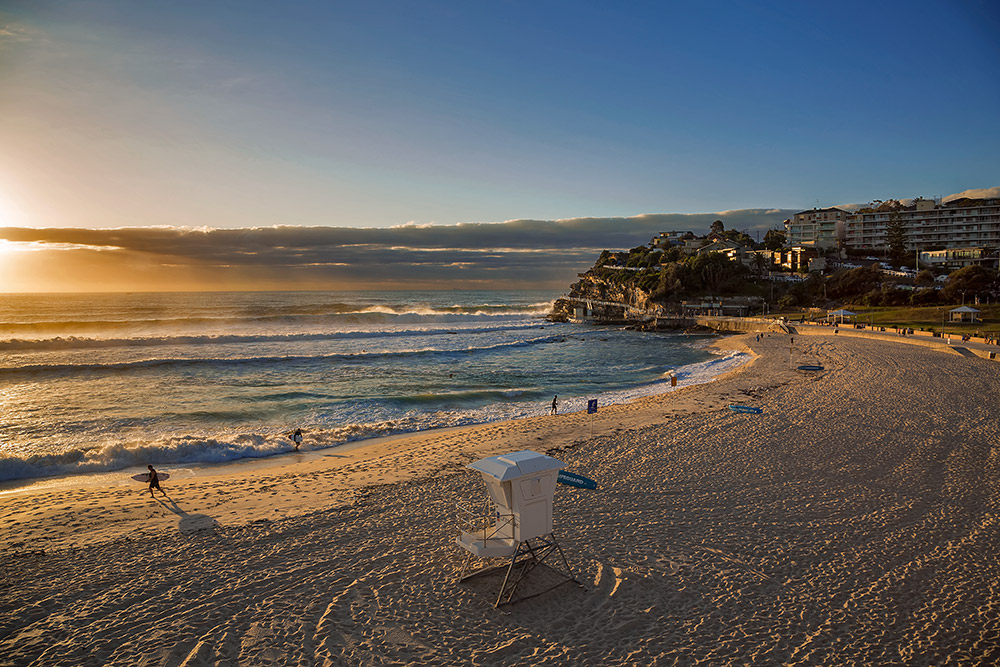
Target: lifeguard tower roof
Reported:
point(518, 464)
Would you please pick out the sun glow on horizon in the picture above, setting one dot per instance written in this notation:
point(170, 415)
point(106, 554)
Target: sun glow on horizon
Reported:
point(8, 248)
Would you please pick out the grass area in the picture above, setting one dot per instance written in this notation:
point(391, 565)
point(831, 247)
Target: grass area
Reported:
point(928, 318)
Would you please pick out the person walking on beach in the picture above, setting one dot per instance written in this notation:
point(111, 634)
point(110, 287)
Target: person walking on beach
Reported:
point(297, 438)
point(555, 405)
point(154, 482)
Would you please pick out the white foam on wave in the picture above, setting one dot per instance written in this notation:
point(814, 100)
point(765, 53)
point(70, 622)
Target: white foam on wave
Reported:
point(225, 448)
point(116, 456)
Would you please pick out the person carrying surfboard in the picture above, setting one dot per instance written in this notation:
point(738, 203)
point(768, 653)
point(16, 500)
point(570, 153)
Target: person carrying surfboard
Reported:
point(154, 481)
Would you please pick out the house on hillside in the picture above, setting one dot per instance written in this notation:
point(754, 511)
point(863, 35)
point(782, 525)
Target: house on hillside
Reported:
point(797, 258)
point(730, 249)
point(958, 258)
point(666, 239)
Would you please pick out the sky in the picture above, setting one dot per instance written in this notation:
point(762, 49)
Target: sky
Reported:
point(562, 127)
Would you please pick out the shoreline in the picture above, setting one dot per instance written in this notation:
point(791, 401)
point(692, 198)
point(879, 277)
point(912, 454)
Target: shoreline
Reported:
point(186, 470)
point(854, 521)
point(424, 453)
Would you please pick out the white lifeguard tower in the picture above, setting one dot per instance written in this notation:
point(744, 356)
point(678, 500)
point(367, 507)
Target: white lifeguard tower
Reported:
point(516, 520)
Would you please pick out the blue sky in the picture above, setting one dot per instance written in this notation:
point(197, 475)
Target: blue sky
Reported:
point(563, 127)
point(374, 114)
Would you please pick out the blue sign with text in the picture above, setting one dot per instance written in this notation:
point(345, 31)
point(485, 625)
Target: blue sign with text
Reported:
point(591, 406)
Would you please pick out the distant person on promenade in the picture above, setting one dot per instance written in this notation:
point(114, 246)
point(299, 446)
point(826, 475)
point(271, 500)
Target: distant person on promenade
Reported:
point(555, 405)
point(154, 482)
point(297, 438)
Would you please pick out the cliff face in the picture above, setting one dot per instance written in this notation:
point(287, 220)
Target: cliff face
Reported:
point(605, 296)
point(645, 284)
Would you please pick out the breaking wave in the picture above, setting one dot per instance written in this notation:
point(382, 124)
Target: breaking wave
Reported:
point(425, 411)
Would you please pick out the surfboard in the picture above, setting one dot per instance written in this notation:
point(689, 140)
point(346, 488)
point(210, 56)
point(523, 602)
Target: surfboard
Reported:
point(809, 367)
point(745, 408)
point(575, 479)
point(144, 476)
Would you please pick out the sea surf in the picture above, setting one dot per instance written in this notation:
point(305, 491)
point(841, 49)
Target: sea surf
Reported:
point(101, 382)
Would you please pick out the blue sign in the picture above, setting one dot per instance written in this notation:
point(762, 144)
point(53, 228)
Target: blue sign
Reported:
point(591, 406)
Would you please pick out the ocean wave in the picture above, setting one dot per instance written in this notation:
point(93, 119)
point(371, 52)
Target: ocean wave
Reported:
point(174, 362)
point(191, 449)
point(83, 343)
point(347, 314)
point(481, 406)
point(185, 449)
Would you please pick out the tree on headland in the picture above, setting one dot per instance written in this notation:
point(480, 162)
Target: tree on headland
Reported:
point(879, 206)
point(847, 284)
point(718, 227)
point(895, 237)
point(759, 263)
point(736, 236)
point(972, 281)
point(774, 239)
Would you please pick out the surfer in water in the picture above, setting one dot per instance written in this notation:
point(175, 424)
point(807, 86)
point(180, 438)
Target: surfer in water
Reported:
point(297, 438)
point(154, 482)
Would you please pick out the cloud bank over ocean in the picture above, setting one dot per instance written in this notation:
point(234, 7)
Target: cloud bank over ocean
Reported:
point(972, 193)
point(975, 193)
point(512, 254)
point(515, 254)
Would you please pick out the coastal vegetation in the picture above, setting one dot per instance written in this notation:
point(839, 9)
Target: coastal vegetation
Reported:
point(668, 277)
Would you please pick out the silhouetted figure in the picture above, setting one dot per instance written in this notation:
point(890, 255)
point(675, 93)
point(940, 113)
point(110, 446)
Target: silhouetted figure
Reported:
point(154, 482)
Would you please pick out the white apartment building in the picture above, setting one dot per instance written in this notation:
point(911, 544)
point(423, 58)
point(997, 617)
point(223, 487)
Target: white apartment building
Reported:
point(818, 228)
point(960, 223)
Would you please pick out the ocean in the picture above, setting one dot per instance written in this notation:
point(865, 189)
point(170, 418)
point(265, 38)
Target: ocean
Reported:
point(92, 383)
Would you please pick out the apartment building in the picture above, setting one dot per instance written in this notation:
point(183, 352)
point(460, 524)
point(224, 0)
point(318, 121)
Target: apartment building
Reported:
point(818, 228)
point(959, 223)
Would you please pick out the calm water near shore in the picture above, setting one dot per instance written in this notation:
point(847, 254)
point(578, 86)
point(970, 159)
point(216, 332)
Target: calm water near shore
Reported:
point(102, 382)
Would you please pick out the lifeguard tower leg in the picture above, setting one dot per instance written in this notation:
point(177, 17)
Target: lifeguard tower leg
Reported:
point(569, 571)
point(465, 566)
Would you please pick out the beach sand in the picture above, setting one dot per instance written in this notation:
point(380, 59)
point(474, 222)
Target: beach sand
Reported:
point(854, 521)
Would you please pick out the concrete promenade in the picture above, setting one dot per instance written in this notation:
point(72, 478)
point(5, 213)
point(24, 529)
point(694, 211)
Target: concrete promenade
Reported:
point(975, 346)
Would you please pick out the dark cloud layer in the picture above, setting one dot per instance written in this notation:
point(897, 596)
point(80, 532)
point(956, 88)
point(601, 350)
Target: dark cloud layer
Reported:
point(517, 253)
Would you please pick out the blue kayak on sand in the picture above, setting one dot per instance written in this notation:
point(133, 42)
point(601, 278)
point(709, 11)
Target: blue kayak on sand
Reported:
point(745, 408)
point(809, 367)
point(575, 479)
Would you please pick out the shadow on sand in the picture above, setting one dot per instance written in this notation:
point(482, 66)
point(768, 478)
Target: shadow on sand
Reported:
point(188, 523)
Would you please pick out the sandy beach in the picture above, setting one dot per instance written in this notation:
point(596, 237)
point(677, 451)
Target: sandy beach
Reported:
point(854, 521)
